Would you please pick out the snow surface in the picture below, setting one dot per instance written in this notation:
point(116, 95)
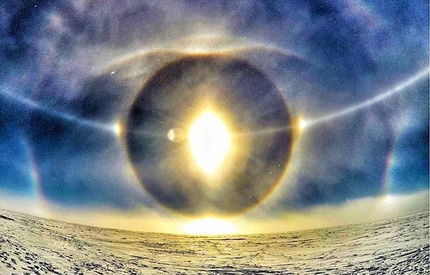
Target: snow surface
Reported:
point(31, 245)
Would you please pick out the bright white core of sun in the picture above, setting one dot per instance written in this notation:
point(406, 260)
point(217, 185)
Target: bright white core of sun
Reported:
point(209, 141)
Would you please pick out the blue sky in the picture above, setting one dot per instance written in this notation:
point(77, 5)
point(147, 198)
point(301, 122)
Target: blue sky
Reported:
point(71, 69)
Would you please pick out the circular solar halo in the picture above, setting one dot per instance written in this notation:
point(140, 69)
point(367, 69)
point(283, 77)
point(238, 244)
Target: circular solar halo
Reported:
point(247, 103)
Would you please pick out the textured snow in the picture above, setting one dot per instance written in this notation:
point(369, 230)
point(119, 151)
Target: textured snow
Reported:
point(31, 245)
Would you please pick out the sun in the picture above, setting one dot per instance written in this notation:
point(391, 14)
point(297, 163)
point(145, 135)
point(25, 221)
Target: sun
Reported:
point(209, 141)
point(210, 226)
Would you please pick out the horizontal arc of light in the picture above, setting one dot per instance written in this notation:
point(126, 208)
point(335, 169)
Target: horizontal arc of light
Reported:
point(306, 123)
point(143, 133)
point(64, 116)
point(385, 95)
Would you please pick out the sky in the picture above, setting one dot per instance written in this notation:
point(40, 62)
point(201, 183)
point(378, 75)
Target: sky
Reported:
point(353, 75)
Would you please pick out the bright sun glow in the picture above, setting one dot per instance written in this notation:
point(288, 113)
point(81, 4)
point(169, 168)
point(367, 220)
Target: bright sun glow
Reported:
point(117, 128)
point(209, 141)
point(302, 124)
point(210, 226)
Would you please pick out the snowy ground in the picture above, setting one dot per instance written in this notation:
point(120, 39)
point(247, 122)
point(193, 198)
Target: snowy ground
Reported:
point(30, 245)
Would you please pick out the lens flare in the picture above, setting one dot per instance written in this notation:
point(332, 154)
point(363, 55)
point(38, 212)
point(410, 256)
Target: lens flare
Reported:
point(175, 135)
point(209, 142)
